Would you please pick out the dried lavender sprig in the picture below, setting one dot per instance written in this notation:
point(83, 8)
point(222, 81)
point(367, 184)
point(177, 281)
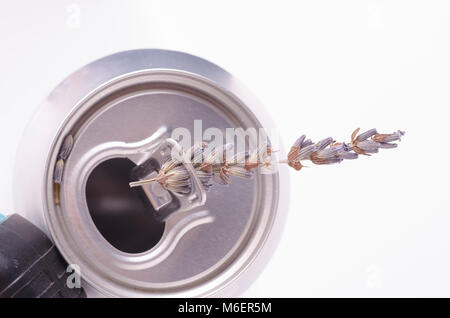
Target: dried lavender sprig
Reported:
point(174, 177)
point(327, 151)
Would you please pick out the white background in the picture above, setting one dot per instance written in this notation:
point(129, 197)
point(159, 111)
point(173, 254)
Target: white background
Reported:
point(377, 226)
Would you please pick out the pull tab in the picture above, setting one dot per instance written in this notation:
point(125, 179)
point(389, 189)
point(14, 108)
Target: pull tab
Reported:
point(164, 202)
point(148, 155)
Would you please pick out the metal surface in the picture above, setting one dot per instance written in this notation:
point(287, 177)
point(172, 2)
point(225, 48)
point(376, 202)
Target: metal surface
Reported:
point(216, 250)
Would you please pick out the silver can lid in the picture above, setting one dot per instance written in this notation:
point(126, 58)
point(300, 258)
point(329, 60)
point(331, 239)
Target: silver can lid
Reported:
point(104, 120)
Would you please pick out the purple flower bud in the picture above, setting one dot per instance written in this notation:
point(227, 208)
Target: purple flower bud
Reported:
point(348, 155)
point(306, 143)
point(366, 135)
point(324, 143)
point(306, 152)
point(327, 156)
point(396, 136)
point(240, 172)
point(368, 146)
point(299, 142)
point(387, 145)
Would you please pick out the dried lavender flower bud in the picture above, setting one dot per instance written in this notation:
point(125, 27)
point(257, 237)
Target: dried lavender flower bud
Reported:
point(387, 145)
point(205, 178)
point(177, 180)
point(368, 146)
point(306, 143)
point(305, 153)
point(66, 147)
point(361, 145)
point(327, 156)
point(196, 153)
point(299, 142)
point(294, 151)
point(366, 135)
point(301, 150)
point(346, 153)
point(386, 138)
point(240, 172)
point(324, 143)
point(326, 160)
point(59, 170)
point(216, 155)
point(169, 164)
point(302, 142)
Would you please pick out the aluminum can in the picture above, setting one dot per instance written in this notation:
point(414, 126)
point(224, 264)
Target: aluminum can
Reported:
point(102, 122)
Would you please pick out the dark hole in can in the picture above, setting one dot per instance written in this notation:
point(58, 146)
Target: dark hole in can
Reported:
point(124, 220)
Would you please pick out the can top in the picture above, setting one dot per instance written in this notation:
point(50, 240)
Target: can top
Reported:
point(131, 100)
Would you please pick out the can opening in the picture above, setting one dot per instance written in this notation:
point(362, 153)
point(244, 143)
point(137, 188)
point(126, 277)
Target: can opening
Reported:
point(123, 219)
